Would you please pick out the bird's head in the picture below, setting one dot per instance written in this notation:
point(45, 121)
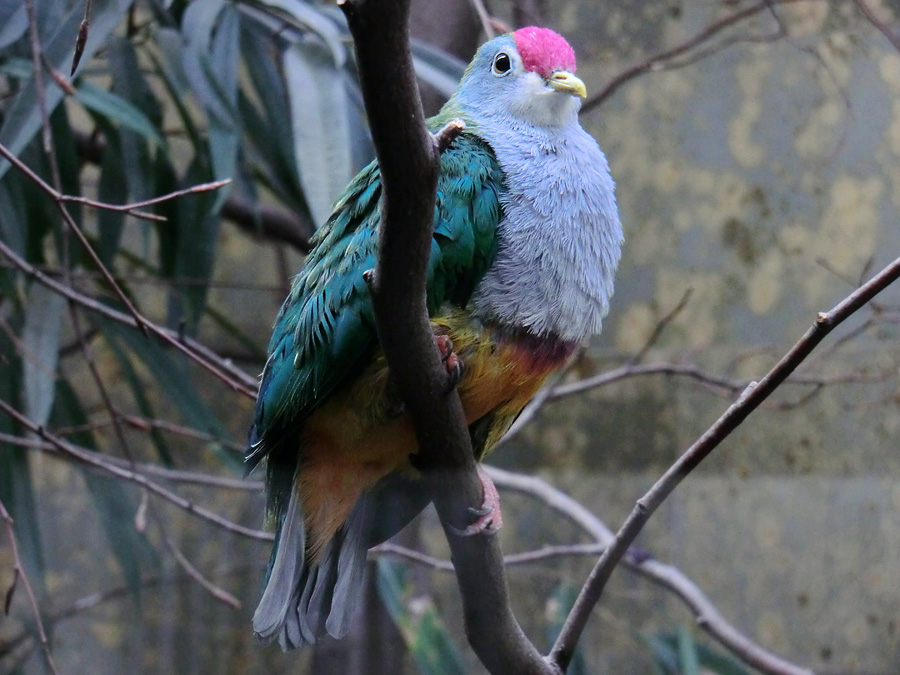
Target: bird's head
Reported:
point(528, 74)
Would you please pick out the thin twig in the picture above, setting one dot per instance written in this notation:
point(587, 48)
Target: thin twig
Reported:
point(22, 575)
point(661, 326)
point(667, 576)
point(133, 209)
point(867, 12)
point(486, 25)
point(81, 38)
point(126, 474)
point(215, 591)
point(657, 61)
point(174, 475)
point(235, 378)
point(753, 396)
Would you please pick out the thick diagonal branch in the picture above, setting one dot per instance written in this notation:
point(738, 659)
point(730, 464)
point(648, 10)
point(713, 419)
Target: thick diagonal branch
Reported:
point(409, 160)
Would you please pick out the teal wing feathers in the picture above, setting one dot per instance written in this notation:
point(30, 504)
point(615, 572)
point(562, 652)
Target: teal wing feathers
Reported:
point(325, 332)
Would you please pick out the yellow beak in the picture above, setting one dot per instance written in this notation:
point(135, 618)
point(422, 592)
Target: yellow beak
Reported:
point(563, 80)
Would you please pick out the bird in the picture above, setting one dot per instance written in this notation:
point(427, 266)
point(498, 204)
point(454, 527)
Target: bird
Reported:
point(526, 241)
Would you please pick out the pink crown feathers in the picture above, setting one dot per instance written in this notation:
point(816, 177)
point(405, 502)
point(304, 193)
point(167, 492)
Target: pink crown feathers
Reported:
point(544, 51)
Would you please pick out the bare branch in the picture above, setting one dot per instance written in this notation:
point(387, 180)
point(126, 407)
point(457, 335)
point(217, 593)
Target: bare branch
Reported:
point(95, 460)
point(755, 394)
point(659, 60)
point(668, 577)
point(235, 378)
point(133, 209)
point(174, 475)
point(408, 159)
point(22, 575)
point(867, 12)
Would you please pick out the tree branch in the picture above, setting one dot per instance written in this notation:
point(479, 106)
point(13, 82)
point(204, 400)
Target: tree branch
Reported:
point(409, 158)
point(658, 61)
point(752, 397)
point(21, 575)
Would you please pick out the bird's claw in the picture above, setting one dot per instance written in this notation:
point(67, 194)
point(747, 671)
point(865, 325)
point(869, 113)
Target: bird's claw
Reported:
point(488, 519)
point(449, 358)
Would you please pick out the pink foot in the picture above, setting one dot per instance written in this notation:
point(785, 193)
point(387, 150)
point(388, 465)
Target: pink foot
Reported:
point(452, 362)
point(488, 517)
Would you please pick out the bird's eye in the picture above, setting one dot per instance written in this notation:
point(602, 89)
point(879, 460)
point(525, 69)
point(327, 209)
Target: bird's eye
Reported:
point(502, 64)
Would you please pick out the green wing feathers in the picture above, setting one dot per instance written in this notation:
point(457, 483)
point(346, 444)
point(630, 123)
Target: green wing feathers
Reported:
point(325, 332)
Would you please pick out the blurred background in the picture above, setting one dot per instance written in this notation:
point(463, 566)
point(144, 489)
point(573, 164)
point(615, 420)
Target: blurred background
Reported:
point(756, 149)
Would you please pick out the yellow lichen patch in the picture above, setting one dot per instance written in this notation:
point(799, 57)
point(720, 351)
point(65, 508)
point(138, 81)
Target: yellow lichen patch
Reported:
point(893, 132)
point(635, 327)
point(725, 202)
point(889, 70)
point(108, 633)
point(751, 76)
point(818, 136)
point(804, 18)
point(766, 282)
point(850, 224)
point(701, 317)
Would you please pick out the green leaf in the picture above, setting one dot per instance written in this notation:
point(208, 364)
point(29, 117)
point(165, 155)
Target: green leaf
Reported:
point(424, 633)
point(224, 139)
point(198, 230)
point(115, 505)
point(688, 660)
point(12, 214)
point(679, 653)
point(317, 19)
point(558, 606)
point(174, 384)
point(441, 70)
point(17, 67)
point(115, 108)
point(40, 336)
point(112, 189)
point(13, 22)
point(22, 119)
point(139, 391)
point(129, 83)
point(320, 125)
point(16, 486)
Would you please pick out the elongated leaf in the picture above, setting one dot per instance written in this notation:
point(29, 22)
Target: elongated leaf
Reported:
point(17, 67)
point(174, 383)
point(441, 70)
point(688, 660)
point(40, 336)
point(679, 653)
point(23, 118)
point(112, 189)
point(318, 20)
point(268, 127)
point(16, 488)
point(559, 604)
point(12, 214)
point(13, 21)
point(320, 126)
point(138, 390)
point(224, 140)
point(114, 504)
point(197, 232)
point(117, 109)
point(129, 83)
point(424, 633)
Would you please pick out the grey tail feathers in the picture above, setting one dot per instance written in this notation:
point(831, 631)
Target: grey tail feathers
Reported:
point(300, 603)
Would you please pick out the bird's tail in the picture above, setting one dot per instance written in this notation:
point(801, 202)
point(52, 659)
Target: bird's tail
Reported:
point(303, 602)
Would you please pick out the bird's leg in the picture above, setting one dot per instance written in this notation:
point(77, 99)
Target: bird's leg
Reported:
point(450, 359)
point(488, 518)
point(394, 406)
